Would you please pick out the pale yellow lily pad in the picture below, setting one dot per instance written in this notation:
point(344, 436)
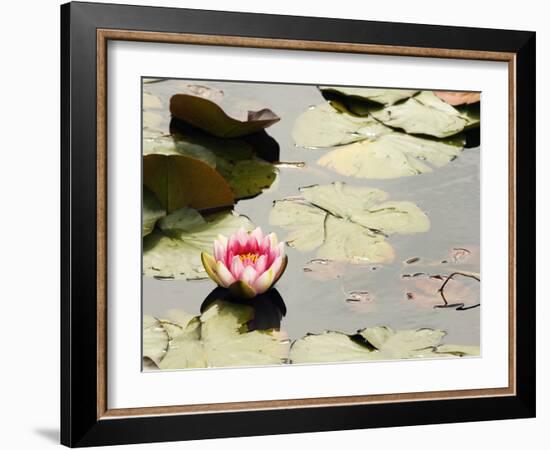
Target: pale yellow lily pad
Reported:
point(391, 155)
point(346, 223)
point(377, 343)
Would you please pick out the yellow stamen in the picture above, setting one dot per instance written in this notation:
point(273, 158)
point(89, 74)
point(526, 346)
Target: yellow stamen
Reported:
point(252, 257)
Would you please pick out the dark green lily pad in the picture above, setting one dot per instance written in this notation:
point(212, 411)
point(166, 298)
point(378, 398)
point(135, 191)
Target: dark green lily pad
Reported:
point(210, 117)
point(234, 159)
point(152, 211)
point(179, 181)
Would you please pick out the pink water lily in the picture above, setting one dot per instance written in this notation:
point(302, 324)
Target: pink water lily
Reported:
point(247, 263)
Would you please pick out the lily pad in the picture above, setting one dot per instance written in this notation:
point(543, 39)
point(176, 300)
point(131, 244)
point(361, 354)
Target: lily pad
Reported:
point(459, 290)
point(234, 159)
point(200, 90)
point(210, 117)
point(346, 223)
point(390, 155)
point(323, 126)
point(221, 338)
point(385, 97)
point(152, 122)
point(248, 177)
point(174, 250)
point(155, 339)
point(151, 101)
point(472, 115)
point(179, 181)
point(377, 343)
point(423, 114)
point(152, 211)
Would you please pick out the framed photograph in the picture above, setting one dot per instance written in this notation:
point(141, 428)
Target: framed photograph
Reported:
point(276, 224)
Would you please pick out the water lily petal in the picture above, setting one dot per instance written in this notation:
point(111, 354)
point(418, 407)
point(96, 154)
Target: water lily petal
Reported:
point(220, 250)
point(273, 239)
point(242, 290)
point(264, 282)
point(282, 269)
point(249, 275)
point(266, 244)
point(276, 265)
point(242, 237)
point(258, 235)
point(233, 245)
point(261, 264)
point(224, 275)
point(237, 267)
point(209, 264)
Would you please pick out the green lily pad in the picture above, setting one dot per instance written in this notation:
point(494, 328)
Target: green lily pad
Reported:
point(391, 155)
point(152, 211)
point(234, 159)
point(346, 223)
point(377, 343)
point(220, 338)
point(248, 177)
point(362, 101)
point(210, 117)
point(323, 126)
point(423, 114)
point(174, 250)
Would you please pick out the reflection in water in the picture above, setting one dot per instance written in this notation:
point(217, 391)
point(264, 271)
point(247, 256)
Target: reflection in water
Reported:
point(269, 307)
point(261, 143)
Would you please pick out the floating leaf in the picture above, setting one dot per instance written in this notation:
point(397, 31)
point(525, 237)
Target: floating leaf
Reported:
point(378, 343)
point(391, 155)
point(200, 90)
point(268, 308)
point(155, 339)
point(346, 223)
point(306, 223)
point(459, 290)
point(233, 159)
point(458, 98)
point(152, 211)
point(151, 101)
point(221, 339)
point(350, 95)
point(248, 177)
point(179, 181)
point(151, 122)
point(457, 350)
point(325, 269)
point(324, 126)
point(472, 115)
point(423, 114)
point(174, 250)
point(208, 116)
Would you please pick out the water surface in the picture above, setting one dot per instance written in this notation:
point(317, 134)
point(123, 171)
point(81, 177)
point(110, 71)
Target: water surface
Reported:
point(450, 196)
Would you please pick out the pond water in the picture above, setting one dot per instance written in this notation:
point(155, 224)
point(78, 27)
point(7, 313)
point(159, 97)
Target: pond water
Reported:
point(350, 297)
